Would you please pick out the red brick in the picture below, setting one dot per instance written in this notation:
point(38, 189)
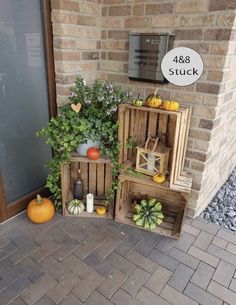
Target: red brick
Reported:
point(217, 34)
point(159, 8)
point(124, 10)
point(208, 88)
point(195, 34)
point(134, 22)
point(220, 5)
point(116, 34)
point(119, 56)
point(65, 5)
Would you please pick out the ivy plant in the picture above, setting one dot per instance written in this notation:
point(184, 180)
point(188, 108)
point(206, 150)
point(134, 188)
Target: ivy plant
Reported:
point(97, 121)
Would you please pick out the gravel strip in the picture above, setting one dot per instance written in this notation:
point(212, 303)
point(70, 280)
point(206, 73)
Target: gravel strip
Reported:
point(222, 209)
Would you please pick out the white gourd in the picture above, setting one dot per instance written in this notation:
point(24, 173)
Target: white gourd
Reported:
point(75, 207)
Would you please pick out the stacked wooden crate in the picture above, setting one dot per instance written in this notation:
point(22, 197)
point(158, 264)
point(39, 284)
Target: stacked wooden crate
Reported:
point(171, 127)
point(96, 178)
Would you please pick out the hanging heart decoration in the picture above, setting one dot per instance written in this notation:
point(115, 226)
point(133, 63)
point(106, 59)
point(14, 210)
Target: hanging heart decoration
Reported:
point(76, 108)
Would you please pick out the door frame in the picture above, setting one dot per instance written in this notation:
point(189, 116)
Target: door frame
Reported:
point(19, 205)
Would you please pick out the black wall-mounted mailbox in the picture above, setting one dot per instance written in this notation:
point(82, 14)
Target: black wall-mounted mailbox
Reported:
point(146, 52)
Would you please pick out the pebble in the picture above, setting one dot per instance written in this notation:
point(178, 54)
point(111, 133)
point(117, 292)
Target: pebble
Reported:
point(222, 209)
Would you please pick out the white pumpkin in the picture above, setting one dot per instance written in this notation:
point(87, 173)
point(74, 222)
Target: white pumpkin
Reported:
point(75, 207)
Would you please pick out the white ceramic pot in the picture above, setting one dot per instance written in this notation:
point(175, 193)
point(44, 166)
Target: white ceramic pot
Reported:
point(82, 148)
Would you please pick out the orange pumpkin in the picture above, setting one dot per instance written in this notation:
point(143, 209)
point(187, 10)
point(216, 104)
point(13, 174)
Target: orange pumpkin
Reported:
point(40, 210)
point(101, 211)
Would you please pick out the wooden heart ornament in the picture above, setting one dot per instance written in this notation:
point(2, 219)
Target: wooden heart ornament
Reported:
point(76, 108)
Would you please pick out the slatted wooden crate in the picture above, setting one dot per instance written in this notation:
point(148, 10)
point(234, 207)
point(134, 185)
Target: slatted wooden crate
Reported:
point(173, 203)
point(96, 178)
point(138, 123)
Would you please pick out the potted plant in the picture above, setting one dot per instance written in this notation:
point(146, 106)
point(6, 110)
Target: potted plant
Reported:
point(95, 120)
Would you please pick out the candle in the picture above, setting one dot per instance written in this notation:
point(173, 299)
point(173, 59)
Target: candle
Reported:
point(151, 162)
point(89, 202)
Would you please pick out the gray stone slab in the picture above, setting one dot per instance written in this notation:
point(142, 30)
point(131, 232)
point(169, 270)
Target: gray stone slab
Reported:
point(77, 266)
point(109, 286)
point(133, 284)
point(46, 249)
point(223, 254)
point(158, 279)
point(203, 240)
point(165, 244)
point(7, 250)
point(142, 261)
point(184, 258)
point(99, 264)
point(181, 277)
point(201, 296)
point(145, 245)
point(206, 257)
point(107, 246)
point(231, 248)
point(38, 289)
point(23, 252)
point(163, 259)
point(9, 272)
point(52, 267)
point(190, 229)
point(147, 297)
point(222, 293)
point(70, 299)
point(233, 285)
point(44, 300)
point(65, 249)
point(98, 299)
point(127, 245)
point(87, 286)
point(224, 273)
point(219, 242)
point(62, 289)
point(87, 247)
point(12, 291)
point(123, 298)
point(32, 270)
point(175, 297)
point(121, 263)
point(227, 235)
point(18, 301)
point(185, 242)
point(205, 226)
point(203, 275)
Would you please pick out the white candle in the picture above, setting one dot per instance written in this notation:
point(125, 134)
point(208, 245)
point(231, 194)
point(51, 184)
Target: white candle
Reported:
point(89, 202)
point(151, 162)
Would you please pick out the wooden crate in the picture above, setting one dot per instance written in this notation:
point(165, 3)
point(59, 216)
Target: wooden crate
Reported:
point(173, 202)
point(96, 178)
point(171, 127)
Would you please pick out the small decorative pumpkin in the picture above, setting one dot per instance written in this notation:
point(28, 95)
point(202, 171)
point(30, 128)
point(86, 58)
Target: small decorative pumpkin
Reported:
point(154, 100)
point(138, 103)
point(101, 211)
point(75, 207)
point(40, 210)
point(93, 153)
point(170, 105)
point(159, 178)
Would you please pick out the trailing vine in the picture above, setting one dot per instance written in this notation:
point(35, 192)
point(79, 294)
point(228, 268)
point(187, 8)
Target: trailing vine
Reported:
point(97, 121)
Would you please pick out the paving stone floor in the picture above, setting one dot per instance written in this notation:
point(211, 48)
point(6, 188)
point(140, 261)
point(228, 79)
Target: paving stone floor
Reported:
point(74, 261)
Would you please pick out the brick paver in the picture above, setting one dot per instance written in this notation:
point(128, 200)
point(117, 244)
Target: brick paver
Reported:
point(74, 261)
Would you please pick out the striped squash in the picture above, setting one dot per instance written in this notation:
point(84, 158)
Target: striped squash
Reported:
point(75, 207)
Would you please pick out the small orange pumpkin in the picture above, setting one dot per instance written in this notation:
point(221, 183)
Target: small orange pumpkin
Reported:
point(40, 210)
point(101, 211)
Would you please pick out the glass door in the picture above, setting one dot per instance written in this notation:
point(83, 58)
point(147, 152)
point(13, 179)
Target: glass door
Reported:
point(24, 101)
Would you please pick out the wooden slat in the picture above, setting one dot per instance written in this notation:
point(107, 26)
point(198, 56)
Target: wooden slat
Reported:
point(77, 158)
point(152, 125)
point(74, 175)
point(186, 135)
point(142, 122)
point(174, 149)
point(108, 178)
point(100, 179)
point(84, 176)
point(162, 127)
point(65, 184)
point(92, 178)
point(121, 131)
point(126, 134)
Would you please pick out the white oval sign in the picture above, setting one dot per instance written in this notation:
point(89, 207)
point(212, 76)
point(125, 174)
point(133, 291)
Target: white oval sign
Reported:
point(182, 66)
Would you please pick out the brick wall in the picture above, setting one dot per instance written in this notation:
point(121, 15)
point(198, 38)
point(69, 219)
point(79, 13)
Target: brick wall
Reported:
point(77, 42)
point(91, 39)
